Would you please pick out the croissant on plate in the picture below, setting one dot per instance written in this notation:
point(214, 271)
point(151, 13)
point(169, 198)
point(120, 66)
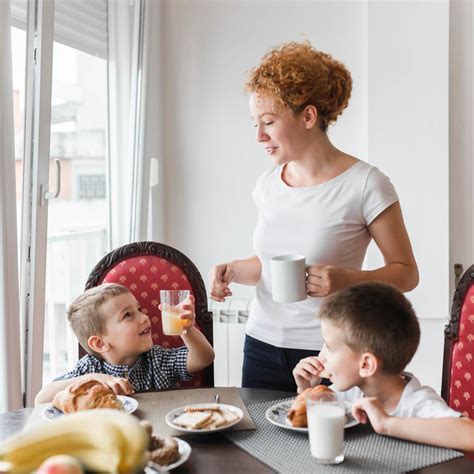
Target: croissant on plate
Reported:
point(86, 395)
point(297, 413)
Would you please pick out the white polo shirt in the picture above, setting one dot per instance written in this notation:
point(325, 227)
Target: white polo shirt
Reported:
point(327, 223)
point(417, 401)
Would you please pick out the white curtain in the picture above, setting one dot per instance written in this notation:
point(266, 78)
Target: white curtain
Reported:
point(120, 26)
point(10, 361)
point(135, 119)
point(148, 210)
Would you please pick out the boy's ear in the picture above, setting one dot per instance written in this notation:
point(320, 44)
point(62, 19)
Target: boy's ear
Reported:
point(310, 116)
point(97, 344)
point(369, 365)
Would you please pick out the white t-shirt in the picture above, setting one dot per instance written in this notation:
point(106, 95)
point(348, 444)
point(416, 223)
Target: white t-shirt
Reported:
point(417, 401)
point(326, 223)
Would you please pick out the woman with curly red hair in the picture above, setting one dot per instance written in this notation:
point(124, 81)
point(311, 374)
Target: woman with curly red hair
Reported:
point(316, 201)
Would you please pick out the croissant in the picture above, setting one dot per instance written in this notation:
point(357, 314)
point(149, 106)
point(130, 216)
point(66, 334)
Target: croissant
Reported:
point(297, 413)
point(85, 396)
point(164, 450)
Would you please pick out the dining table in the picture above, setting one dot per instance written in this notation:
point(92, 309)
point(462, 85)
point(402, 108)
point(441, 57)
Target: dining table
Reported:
point(215, 453)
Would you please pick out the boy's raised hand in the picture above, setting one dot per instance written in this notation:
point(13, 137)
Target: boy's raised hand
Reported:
point(188, 313)
point(370, 409)
point(119, 385)
point(307, 373)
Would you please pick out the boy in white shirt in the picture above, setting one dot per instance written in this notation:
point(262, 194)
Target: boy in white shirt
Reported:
point(370, 334)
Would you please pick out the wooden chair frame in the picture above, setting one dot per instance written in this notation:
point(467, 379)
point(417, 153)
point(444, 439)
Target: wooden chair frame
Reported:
point(451, 330)
point(136, 249)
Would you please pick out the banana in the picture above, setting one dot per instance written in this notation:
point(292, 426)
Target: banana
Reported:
point(102, 439)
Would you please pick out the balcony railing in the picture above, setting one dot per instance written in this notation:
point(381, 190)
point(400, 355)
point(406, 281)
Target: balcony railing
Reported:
point(70, 258)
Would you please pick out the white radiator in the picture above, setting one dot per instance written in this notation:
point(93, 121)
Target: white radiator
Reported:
point(229, 319)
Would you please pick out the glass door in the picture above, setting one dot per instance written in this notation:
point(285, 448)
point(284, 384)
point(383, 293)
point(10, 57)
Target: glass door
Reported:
point(78, 219)
point(39, 28)
point(65, 198)
point(18, 37)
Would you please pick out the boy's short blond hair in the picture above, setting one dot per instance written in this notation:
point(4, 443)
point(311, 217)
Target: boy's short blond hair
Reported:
point(376, 318)
point(84, 312)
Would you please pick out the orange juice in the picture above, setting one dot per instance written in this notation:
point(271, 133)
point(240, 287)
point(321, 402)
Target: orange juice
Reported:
point(171, 321)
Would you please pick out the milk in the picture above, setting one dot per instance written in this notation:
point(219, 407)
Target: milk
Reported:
point(326, 432)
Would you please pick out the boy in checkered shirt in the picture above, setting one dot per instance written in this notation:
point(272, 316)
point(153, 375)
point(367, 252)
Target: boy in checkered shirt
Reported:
point(110, 325)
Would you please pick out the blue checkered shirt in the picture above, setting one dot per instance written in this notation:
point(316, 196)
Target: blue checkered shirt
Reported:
point(158, 368)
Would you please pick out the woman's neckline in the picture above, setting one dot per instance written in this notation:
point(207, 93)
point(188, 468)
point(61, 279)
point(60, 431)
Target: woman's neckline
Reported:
point(319, 185)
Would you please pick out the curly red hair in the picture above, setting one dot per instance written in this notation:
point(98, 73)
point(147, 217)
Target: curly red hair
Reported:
point(297, 75)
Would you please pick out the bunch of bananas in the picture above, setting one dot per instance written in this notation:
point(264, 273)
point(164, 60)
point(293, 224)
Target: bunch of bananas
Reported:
point(103, 440)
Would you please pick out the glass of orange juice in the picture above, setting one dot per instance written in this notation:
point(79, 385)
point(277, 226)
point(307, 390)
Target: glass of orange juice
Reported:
point(171, 321)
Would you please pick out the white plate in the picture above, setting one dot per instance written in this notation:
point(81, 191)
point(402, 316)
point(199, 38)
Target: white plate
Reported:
point(173, 414)
point(129, 405)
point(184, 452)
point(278, 415)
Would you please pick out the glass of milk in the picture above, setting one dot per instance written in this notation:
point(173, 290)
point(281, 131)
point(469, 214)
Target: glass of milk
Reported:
point(326, 419)
point(171, 321)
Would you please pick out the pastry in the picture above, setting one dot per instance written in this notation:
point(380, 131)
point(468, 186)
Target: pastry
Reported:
point(193, 420)
point(203, 409)
point(206, 418)
point(217, 420)
point(297, 413)
point(85, 396)
point(164, 450)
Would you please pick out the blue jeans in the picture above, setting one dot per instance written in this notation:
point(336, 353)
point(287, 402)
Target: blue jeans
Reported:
point(271, 367)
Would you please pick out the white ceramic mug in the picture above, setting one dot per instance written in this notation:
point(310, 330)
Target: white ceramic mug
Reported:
point(288, 274)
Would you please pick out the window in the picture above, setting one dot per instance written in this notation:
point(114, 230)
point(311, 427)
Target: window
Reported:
point(92, 186)
point(65, 236)
point(78, 220)
point(18, 66)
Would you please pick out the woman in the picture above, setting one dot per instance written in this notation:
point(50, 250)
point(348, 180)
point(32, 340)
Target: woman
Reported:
point(317, 201)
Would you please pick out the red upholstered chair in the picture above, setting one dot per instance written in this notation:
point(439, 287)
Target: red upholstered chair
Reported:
point(146, 268)
point(458, 364)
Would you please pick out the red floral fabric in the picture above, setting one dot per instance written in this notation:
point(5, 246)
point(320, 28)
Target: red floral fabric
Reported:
point(461, 390)
point(145, 276)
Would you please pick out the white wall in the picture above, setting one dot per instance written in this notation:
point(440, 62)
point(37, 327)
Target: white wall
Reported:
point(461, 121)
point(408, 127)
point(397, 119)
point(409, 132)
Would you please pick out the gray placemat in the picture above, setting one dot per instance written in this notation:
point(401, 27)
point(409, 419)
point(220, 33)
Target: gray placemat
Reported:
point(288, 451)
point(154, 406)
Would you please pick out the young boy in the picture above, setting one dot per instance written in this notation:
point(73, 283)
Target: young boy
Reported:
point(110, 325)
point(370, 333)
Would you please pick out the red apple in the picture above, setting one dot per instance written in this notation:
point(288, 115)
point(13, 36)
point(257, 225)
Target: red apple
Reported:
point(60, 464)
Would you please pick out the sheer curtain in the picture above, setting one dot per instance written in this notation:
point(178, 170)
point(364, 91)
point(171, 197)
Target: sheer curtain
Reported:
point(10, 362)
point(120, 26)
point(136, 120)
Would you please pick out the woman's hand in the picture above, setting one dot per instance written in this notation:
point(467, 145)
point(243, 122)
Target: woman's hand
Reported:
point(307, 373)
point(220, 277)
point(323, 280)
